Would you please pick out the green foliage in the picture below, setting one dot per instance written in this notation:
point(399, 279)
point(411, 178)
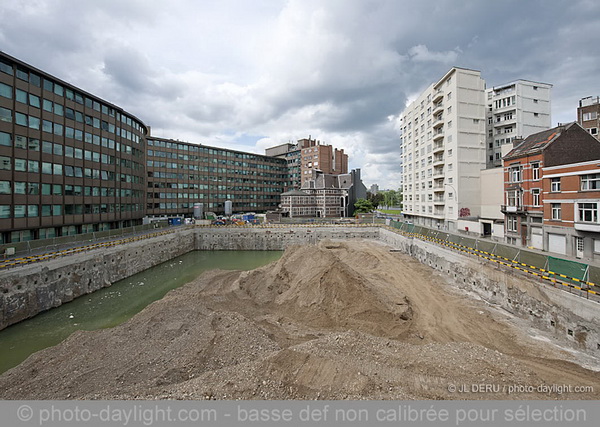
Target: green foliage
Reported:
point(363, 206)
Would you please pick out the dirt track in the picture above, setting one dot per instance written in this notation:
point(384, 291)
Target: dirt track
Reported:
point(344, 320)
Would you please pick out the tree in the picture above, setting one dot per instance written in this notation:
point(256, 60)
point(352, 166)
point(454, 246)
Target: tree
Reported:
point(363, 206)
point(375, 199)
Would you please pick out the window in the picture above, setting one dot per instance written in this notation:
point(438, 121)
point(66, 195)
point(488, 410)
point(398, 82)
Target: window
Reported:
point(590, 182)
point(511, 223)
point(6, 68)
point(514, 198)
point(555, 185)
point(535, 195)
point(555, 211)
point(515, 173)
point(535, 171)
point(593, 131)
point(5, 139)
point(5, 163)
point(5, 115)
point(4, 211)
point(590, 116)
point(5, 187)
point(588, 212)
point(5, 91)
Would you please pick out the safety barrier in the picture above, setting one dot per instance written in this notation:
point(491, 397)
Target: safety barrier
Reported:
point(543, 266)
point(12, 262)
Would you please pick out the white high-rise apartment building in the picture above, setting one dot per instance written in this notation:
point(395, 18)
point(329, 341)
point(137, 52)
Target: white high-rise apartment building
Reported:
point(515, 110)
point(443, 150)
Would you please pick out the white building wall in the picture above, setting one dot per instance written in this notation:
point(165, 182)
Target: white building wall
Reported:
point(527, 113)
point(442, 141)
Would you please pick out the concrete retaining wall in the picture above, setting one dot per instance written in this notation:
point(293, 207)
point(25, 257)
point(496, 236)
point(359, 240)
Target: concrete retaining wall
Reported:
point(569, 318)
point(275, 239)
point(29, 290)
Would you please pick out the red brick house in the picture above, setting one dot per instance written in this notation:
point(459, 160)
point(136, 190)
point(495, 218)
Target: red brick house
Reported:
point(529, 192)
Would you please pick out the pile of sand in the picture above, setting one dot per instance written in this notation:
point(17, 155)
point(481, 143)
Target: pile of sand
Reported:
point(334, 321)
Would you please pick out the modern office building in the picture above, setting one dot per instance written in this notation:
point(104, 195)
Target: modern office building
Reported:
point(515, 110)
point(443, 150)
point(70, 162)
point(291, 154)
point(588, 115)
point(181, 174)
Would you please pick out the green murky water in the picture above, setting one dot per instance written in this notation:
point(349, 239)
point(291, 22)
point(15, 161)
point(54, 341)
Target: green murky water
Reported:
point(112, 306)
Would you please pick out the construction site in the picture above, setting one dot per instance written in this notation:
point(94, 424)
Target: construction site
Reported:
point(345, 313)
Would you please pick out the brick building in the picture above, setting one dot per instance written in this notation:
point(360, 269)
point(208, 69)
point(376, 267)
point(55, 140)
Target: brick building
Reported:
point(321, 157)
point(528, 216)
point(588, 115)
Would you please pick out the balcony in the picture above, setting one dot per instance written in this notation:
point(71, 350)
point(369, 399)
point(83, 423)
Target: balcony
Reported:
point(438, 172)
point(439, 201)
point(438, 160)
point(438, 108)
point(513, 209)
point(438, 96)
point(438, 212)
point(438, 134)
point(587, 226)
point(438, 147)
point(439, 188)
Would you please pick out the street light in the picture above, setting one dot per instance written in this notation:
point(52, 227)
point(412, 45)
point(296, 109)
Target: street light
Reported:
point(451, 186)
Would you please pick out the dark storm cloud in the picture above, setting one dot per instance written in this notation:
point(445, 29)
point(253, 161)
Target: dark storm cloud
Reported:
point(340, 70)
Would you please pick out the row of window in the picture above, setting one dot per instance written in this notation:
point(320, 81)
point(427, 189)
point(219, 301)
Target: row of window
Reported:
point(225, 196)
point(33, 166)
point(70, 94)
point(33, 144)
point(58, 129)
point(210, 205)
point(33, 188)
point(210, 151)
point(33, 211)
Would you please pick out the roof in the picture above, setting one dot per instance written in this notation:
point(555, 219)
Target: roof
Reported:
point(536, 143)
point(294, 193)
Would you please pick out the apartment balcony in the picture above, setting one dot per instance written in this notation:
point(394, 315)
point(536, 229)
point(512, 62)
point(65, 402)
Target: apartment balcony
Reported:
point(438, 160)
point(438, 147)
point(438, 96)
point(438, 134)
point(439, 188)
point(438, 121)
point(438, 172)
point(439, 201)
point(587, 226)
point(503, 123)
point(438, 213)
point(438, 108)
point(513, 209)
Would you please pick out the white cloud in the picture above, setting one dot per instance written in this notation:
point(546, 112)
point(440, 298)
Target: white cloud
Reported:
point(247, 75)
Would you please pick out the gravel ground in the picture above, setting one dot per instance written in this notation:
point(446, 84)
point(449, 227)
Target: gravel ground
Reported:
point(341, 320)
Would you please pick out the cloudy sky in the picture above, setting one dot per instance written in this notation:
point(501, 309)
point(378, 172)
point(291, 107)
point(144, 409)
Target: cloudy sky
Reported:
point(248, 74)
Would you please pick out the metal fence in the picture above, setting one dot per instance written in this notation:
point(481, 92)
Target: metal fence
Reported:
point(30, 246)
point(574, 274)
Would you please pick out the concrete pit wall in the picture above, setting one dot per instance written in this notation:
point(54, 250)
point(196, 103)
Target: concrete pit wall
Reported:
point(32, 289)
point(29, 290)
point(274, 239)
point(568, 318)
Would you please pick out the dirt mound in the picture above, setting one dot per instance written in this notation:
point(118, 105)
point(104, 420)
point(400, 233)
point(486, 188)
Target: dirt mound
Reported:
point(337, 320)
